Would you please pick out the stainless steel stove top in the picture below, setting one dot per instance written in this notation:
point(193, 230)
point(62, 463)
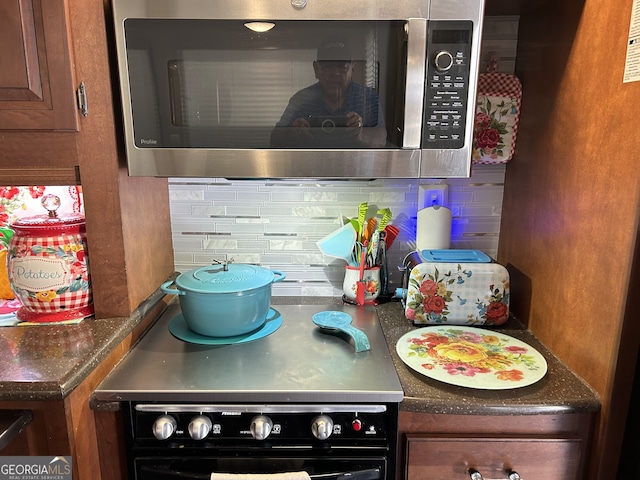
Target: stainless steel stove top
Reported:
point(296, 363)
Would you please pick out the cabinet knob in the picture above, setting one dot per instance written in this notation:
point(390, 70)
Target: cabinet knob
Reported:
point(476, 475)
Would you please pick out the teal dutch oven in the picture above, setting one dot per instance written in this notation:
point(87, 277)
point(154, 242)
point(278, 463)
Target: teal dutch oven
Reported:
point(224, 300)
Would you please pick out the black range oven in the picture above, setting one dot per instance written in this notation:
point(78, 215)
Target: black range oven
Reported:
point(295, 400)
point(328, 442)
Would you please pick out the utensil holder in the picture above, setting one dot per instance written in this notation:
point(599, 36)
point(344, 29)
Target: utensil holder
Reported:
point(371, 279)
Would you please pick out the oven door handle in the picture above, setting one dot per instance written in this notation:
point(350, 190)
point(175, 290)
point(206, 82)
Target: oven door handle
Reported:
point(368, 474)
point(164, 474)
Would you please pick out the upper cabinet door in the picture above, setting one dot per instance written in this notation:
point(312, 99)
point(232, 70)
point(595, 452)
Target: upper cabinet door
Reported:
point(36, 79)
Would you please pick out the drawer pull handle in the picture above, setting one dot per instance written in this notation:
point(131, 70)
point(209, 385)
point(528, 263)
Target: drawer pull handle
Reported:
point(476, 475)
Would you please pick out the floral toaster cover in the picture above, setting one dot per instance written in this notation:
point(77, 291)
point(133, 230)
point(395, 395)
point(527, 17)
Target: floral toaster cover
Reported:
point(458, 293)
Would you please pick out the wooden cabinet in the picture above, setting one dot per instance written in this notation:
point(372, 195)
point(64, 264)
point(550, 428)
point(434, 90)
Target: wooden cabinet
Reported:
point(36, 78)
point(49, 48)
point(449, 457)
point(38, 113)
point(69, 426)
point(571, 204)
point(450, 447)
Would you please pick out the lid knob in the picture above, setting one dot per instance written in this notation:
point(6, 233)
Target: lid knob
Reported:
point(51, 203)
point(225, 264)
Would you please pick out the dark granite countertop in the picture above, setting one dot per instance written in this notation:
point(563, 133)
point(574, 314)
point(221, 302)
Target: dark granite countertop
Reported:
point(47, 362)
point(559, 391)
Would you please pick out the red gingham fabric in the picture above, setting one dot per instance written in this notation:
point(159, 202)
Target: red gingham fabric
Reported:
point(499, 84)
point(66, 301)
point(495, 89)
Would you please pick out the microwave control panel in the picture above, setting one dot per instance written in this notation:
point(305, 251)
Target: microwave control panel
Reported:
point(447, 83)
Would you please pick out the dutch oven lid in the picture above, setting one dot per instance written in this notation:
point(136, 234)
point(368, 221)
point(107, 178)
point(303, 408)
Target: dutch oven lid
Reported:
point(50, 221)
point(225, 278)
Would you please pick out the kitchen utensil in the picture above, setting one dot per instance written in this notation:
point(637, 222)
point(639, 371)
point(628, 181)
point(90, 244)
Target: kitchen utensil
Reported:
point(386, 218)
point(48, 266)
point(382, 261)
point(334, 321)
point(358, 248)
point(360, 286)
point(356, 226)
point(369, 228)
point(340, 243)
point(372, 252)
point(225, 300)
point(392, 234)
point(362, 215)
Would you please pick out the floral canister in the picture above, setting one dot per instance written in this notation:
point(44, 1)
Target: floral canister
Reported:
point(49, 267)
point(370, 278)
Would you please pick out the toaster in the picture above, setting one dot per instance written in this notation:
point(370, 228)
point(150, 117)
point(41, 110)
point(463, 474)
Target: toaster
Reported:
point(459, 287)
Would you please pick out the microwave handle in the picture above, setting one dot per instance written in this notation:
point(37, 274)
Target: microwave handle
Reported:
point(175, 95)
point(167, 474)
point(416, 71)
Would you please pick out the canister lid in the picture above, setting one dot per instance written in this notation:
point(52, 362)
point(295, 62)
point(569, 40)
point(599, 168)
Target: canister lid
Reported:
point(50, 221)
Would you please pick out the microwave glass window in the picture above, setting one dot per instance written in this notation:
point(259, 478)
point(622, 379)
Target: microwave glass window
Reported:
point(302, 84)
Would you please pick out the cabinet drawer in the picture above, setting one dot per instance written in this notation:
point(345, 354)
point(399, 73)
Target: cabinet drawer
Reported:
point(441, 457)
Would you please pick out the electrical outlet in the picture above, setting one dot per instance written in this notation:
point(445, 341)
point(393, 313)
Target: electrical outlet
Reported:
point(433, 194)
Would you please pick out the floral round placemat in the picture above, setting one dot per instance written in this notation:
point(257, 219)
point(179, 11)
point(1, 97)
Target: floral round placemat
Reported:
point(471, 357)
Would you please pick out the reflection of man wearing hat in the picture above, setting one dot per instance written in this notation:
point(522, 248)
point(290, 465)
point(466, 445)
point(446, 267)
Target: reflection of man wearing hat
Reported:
point(335, 95)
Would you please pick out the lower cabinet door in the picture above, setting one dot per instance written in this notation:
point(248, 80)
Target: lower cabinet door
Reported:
point(441, 457)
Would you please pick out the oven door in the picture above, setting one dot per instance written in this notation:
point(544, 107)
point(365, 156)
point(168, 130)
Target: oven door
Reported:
point(318, 468)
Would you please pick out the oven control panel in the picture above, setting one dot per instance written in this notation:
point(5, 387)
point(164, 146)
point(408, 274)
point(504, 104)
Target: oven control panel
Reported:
point(282, 424)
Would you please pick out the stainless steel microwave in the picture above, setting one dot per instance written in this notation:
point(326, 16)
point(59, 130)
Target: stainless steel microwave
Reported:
point(298, 88)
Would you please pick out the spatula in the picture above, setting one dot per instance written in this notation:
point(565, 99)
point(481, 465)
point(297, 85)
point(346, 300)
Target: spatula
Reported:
point(339, 244)
point(392, 233)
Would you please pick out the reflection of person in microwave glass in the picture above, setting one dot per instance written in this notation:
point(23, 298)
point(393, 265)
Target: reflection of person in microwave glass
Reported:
point(335, 111)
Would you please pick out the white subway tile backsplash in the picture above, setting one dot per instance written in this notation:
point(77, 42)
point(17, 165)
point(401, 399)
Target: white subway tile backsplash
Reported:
point(286, 245)
point(185, 194)
point(220, 244)
point(202, 210)
point(318, 196)
point(280, 226)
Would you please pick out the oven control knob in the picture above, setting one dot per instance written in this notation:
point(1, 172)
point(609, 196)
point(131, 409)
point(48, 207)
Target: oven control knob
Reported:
point(164, 426)
point(322, 427)
point(261, 427)
point(199, 427)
